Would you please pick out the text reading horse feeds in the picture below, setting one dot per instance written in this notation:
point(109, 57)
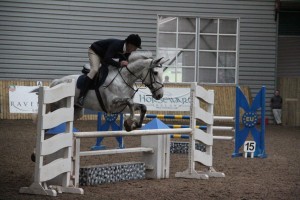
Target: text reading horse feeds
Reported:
point(117, 92)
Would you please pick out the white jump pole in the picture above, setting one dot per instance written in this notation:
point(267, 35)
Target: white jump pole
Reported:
point(223, 137)
point(223, 128)
point(132, 133)
point(224, 118)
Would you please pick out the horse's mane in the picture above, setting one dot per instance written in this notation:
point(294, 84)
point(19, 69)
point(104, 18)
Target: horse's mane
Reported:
point(136, 55)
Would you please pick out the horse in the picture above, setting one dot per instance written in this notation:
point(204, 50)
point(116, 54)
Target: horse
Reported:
point(118, 90)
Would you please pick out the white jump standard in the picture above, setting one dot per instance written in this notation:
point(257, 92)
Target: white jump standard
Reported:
point(61, 166)
point(195, 156)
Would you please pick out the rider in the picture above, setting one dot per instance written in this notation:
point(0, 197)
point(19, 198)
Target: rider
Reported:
point(102, 53)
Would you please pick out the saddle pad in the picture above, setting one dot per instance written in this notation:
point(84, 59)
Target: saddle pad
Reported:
point(97, 82)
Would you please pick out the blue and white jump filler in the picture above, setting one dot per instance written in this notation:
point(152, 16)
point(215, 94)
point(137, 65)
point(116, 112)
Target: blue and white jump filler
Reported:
point(249, 121)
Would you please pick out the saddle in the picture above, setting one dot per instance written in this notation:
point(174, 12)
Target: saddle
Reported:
point(98, 80)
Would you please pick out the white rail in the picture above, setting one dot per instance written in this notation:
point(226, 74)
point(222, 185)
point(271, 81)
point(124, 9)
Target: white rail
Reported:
point(223, 128)
point(222, 137)
point(132, 133)
point(224, 118)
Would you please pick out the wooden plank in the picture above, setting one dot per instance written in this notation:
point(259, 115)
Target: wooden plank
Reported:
point(206, 117)
point(290, 92)
point(56, 143)
point(58, 92)
point(60, 165)
point(204, 137)
point(2, 100)
point(6, 99)
point(203, 158)
point(57, 117)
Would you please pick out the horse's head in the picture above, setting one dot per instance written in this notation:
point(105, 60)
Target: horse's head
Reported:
point(149, 70)
point(152, 77)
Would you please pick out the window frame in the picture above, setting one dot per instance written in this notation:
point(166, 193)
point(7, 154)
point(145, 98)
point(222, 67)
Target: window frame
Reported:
point(197, 68)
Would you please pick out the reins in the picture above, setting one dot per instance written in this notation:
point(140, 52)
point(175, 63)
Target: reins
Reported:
point(150, 86)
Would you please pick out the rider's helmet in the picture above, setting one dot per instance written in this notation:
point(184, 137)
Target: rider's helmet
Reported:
point(135, 40)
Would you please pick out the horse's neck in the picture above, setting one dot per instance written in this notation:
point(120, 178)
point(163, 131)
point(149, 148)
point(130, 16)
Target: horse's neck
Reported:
point(134, 71)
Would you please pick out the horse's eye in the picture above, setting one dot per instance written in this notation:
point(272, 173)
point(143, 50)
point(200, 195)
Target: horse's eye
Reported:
point(155, 73)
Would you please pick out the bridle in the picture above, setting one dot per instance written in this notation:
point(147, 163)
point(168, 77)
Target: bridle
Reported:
point(150, 73)
point(153, 80)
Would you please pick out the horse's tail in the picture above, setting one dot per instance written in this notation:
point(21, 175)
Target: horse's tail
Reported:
point(55, 82)
point(36, 91)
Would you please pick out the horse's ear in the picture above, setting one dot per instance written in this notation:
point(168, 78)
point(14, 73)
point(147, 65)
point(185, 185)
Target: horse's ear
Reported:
point(157, 61)
point(164, 61)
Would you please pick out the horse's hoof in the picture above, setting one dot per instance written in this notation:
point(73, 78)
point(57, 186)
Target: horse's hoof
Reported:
point(33, 157)
point(127, 128)
point(127, 125)
point(130, 125)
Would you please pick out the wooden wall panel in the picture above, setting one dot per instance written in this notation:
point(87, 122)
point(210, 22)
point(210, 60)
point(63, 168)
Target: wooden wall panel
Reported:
point(290, 92)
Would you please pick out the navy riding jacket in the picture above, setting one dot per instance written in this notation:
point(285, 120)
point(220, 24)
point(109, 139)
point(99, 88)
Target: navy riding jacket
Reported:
point(276, 102)
point(109, 49)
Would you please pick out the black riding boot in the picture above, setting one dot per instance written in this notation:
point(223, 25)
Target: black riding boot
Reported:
point(84, 90)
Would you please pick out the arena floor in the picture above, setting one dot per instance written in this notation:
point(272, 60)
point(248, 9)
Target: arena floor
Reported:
point(276, 177)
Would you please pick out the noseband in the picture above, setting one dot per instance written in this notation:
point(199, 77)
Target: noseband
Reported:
point(152, 81)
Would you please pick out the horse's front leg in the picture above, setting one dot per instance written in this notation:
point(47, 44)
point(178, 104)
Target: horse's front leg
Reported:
point(143, 109)
point(131, 122)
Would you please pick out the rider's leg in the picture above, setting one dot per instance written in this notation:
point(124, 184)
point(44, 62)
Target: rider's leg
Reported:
point(95, 65)
point(84, 90)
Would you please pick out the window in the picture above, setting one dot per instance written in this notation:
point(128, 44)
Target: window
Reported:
point(204, 50)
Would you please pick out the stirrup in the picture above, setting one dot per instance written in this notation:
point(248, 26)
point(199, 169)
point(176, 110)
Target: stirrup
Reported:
point(80, 101)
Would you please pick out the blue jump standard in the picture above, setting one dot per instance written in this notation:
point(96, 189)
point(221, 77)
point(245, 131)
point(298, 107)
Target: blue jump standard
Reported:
point(155, 124)
point(59, 129)
point(109, 123)
point(249, 120)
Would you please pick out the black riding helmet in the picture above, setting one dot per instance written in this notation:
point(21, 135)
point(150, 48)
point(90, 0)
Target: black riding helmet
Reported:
point(135, 40)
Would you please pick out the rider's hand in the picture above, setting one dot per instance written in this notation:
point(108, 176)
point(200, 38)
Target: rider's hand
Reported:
point(123, 63)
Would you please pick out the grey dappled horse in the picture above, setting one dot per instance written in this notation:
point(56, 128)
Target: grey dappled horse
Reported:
point(118, 91)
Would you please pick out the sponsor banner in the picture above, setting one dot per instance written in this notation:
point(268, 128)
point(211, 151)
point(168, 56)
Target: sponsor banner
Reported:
point(21, 100)
point(174, 99)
